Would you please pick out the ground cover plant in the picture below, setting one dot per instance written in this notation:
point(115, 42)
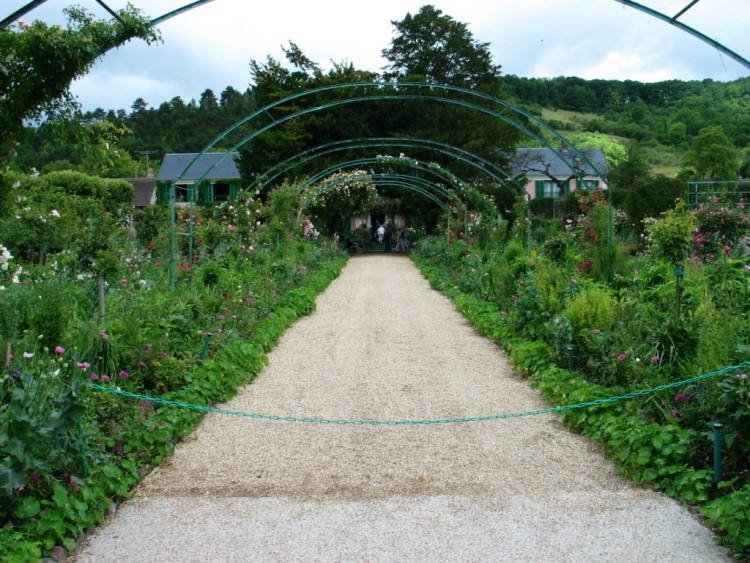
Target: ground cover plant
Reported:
point(588, 321)
point(88, 310)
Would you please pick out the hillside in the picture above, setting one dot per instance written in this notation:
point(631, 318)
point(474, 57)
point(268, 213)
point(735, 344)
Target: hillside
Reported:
point(663, 159)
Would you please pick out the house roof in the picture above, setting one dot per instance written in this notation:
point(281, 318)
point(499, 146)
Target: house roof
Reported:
point(173, 166)
point(545, 162)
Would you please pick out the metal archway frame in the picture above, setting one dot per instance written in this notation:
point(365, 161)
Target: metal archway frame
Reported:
point(397, 87)
point(419, 185)
point(484, 166)
point(398, 93)
point(687, 29)
point(443, 175)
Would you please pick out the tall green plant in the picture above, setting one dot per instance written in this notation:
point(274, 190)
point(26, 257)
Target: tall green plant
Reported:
point(671, 239)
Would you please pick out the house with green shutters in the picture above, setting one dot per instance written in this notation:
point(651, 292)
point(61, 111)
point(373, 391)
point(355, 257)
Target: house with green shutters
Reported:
point(221, 177)
point(550, 176)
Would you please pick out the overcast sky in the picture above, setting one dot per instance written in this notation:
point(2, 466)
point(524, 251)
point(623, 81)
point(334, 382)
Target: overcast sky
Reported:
point(211, 46)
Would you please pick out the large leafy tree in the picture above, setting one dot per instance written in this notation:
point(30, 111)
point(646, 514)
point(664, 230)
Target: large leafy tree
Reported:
point(38, 62)
point(712, 155)
point(438, 49)
point(432, 47)
point(274, 81)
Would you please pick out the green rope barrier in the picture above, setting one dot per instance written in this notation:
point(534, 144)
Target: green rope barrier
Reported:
point(599, 402)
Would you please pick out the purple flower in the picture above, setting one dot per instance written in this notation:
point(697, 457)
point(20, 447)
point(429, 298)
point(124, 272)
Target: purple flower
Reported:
point(59, 350)
point(655, 360)
point(124, 375)
point(94, 376)
point(596, 331)
point(142, 364)
point(574, 281)
point(83, 365)
point(622, 357)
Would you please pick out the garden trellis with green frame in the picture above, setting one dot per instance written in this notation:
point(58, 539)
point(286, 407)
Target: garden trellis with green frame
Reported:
point(372, 91)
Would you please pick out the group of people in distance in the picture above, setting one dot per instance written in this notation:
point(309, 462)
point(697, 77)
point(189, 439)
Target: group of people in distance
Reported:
point(381, 233)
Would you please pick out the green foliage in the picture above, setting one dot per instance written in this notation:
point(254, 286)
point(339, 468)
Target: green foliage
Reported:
point(731, 514)
point(628, 339)
point(649, 196)
point(438, 49)
point(40, 62)
point(672, 235)
point(712, 155)
point(719, 228)
point(210, 335)
point(593, 308)
point(615, 153)
point(38, 413)
point(63, 210)
point(341, 195)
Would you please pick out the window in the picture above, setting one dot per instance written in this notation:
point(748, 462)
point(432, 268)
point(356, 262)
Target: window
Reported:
point(550, 189)
point(589, 184)
point(182, 193)
point(221, 192)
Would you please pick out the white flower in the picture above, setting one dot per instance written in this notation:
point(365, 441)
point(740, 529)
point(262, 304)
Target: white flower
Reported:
point(28, 355)
point(5, 258)
point(55, 213)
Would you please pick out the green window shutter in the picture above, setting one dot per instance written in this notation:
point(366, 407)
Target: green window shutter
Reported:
point(539, 189)
point(207, 193)
point(162, 195)
point(233, 188)
point(566, 187)
point(191, 193)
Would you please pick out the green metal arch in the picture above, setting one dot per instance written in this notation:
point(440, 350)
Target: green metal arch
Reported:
point(419, 185)
point(414, 184)
point(380, 86)
point(456, 183)
point(687, 29)
point(383, 178)
point(485, 166)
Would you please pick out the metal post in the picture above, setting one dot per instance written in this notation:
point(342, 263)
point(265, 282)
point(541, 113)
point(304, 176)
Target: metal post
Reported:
point(172, 233)
point(204, 349)
point(528, 225)
point(82, 450)
point(571, 357)
point(717, 452)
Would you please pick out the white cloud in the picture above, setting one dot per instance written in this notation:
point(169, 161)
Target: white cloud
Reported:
point(119, 91)
point(212, 45)
point(625, 66)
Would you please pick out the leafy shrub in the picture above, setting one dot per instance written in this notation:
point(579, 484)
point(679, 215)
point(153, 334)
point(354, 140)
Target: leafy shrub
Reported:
point(593, 308)
point(731, 514)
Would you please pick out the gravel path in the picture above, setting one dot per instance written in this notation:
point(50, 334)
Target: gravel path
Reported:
point(383, 345)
